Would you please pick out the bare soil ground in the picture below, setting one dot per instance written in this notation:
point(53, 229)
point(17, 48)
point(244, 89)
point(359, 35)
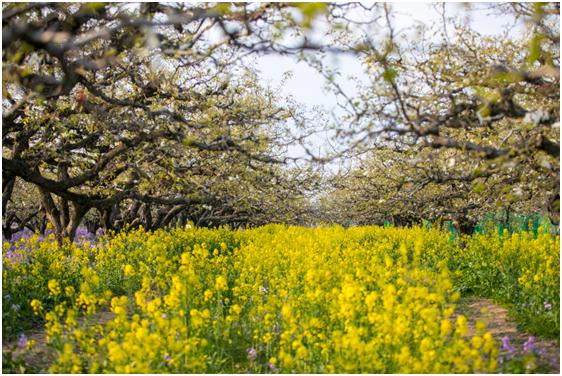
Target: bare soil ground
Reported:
point(40, 356)
point(500, 325)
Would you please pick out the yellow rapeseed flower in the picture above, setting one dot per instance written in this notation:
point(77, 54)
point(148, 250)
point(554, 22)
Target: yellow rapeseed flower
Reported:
point(54, 287)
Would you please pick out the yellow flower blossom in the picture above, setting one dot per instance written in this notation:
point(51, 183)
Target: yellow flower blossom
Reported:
point(36, 306)
point(220, 283)
point(54, 287)
point(128, 270)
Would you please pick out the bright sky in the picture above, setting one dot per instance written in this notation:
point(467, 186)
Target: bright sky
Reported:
point(307, 86)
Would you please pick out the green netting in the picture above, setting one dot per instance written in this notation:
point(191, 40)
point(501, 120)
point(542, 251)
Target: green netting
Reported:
point(478, 229)
point(453, 233)
point(502, 224)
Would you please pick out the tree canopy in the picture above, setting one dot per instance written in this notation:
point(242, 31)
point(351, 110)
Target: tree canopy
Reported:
point(149, 114)
point(457, 127)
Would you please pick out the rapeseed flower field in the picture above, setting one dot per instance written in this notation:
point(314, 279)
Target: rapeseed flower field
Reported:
point(280, 299)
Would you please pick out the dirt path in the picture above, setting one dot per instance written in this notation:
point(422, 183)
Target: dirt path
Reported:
point(500, 325)
point(35, 360)
point(40, 356)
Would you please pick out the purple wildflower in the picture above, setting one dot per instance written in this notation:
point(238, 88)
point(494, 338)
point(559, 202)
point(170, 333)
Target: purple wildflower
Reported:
point(506, 345)
point(529, 345)
point(82, 232)
point(252, 354)
point(83, 235)
point(22, 341)
point(547, 306)
point(45, 235)
point(19, 251)
point(167, 358)
point(20, 235)
point(14, 256)
point(272, 367)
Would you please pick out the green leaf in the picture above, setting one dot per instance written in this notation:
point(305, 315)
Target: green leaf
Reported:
point(310, 11)
point(535, 49)
point(389, 74)
point(222, 8)
point(478, 188)
point(96, 6)
point(484, 111)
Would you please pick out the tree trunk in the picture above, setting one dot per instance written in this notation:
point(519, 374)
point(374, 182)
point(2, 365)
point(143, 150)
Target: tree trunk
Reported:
point(52, 214)
point(65, 209)
point(7, 189)
point(172, 214)
point(42, 222)
point(106, 218)
point(115, 216)
point(78, 212)
point(553, 208)
point(147, 216)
